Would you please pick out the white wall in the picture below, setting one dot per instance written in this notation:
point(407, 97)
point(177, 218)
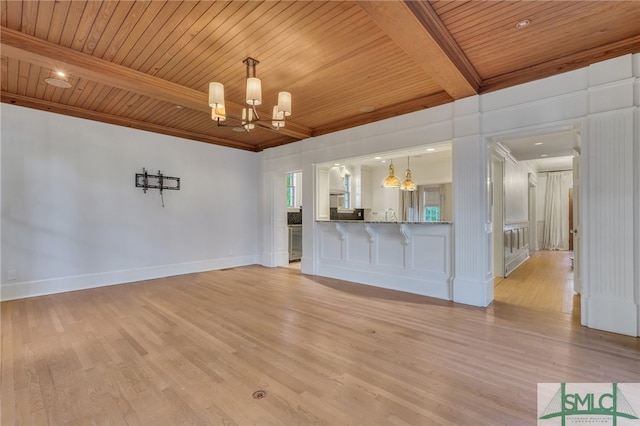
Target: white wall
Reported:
point(516, 191)
point(72, 217)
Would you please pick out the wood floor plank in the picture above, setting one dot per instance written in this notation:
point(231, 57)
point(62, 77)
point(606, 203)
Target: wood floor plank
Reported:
point(193, 349)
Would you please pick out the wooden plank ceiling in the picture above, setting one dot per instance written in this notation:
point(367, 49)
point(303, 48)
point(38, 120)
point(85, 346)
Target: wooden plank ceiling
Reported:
point(147, 64)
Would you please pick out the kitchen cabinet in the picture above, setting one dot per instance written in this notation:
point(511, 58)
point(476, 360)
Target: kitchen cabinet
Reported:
point(295, 242)
point(322, 193)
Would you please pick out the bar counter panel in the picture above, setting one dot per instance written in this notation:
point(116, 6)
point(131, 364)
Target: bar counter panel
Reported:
point(404, 256)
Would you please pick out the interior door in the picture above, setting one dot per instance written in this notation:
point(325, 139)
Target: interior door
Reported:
point(570, 219)
point(576, 230)
point(497, 215)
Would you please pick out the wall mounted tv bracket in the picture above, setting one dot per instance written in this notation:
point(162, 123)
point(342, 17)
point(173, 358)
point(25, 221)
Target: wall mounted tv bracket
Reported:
point(146, 181)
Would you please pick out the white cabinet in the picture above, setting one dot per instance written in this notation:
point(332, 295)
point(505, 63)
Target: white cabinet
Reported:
point(322, 193)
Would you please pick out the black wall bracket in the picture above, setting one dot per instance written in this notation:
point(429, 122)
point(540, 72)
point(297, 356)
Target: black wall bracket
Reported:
point(146, 181)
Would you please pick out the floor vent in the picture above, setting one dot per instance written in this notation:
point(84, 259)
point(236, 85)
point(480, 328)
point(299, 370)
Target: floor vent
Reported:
point(259, 394)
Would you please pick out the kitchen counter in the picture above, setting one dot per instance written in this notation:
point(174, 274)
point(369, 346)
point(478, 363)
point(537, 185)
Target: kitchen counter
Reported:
point(383, 222)
point(415, 257)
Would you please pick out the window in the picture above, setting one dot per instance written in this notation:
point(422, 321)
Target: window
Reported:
point(431, 203)
point(291, 190)
point(432, 214)
point(347, 193)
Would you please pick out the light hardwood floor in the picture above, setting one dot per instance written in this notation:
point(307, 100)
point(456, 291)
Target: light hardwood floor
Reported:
point(193, 349)
point(544, 282)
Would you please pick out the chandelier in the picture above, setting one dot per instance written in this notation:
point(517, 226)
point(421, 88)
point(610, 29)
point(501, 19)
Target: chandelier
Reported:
point(391, 181)
point(408, 184)
point(249, 116)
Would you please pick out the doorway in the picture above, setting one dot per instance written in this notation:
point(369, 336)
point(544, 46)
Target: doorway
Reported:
point(546, 280)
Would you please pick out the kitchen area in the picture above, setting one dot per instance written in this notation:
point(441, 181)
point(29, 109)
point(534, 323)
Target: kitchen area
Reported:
point(294, 217)
point(384, 220)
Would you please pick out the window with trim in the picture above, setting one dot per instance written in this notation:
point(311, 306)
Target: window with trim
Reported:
point(291, 190)
point(432, 203)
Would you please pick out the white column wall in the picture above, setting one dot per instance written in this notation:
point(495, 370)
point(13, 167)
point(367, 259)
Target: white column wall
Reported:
point(609, 299)
point(636, 148)
point(473, 281)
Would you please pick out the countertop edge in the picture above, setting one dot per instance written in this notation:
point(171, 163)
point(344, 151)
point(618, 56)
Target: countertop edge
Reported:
point(384, 223)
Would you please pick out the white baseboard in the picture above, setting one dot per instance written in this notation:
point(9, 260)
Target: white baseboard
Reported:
point(473, 291)
point(12, 291)
point(613, 314)
point(423, 286)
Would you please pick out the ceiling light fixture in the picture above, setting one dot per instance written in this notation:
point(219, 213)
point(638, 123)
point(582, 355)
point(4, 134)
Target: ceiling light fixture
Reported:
point(408, 184)
point(430, 149)
point(58, 79)
point(538, 143)
point(253, 97)
point(523, 23)
point(391, 181)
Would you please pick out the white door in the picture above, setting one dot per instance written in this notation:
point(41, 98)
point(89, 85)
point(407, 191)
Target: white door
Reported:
point(497, 213)
point(577, 226)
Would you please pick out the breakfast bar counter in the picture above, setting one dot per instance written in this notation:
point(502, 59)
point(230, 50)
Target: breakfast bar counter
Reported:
point(415, 257)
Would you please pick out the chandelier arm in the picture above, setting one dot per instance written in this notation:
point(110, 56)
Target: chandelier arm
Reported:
point(259, 123)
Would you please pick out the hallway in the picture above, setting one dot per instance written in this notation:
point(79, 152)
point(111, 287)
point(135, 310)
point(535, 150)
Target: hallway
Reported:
point(544, 282)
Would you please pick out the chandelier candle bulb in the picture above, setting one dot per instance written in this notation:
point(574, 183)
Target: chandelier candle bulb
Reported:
point(216, 95)
point(278, 117)
point(284, 103)
point(254, 91)
point(218, 113)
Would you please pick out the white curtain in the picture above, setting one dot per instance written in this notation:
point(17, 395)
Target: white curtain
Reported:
point(556, 212)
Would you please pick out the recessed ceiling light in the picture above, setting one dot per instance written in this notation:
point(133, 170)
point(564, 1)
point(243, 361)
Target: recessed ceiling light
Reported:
point(384, 161)
point(430, 149)
point(538, 143)
point(178, 106)
point(378, 158)
point(57, 82)
point(336, 164)
point(523, 23)
point(58, 79)
point(367, 108)
point(544, 155)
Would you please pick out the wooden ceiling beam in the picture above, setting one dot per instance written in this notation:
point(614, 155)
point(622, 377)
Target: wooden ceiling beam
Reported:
point(388, 111)
point(39, 52)
point(418, 30)
point(54, 107)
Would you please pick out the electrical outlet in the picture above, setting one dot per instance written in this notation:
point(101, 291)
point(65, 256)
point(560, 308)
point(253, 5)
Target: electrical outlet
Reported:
point(12, 275)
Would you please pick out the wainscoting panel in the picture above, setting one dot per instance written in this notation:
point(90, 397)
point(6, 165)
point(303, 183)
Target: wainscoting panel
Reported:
point(516, 245)
point(415, 258)
point(359, 245)
point(331, 244)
